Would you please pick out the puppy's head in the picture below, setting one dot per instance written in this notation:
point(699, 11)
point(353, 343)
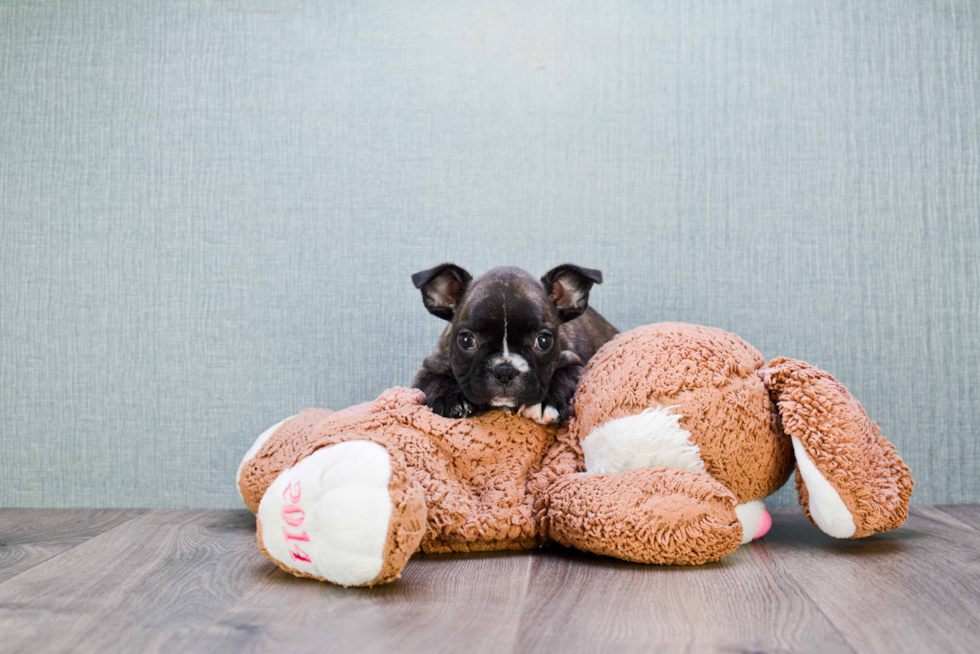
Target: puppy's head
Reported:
point(502, 343)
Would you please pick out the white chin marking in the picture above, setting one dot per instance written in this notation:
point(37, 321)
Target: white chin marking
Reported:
point(749, 514)
point(328, 515)
point(503, 401)
point(259, 442)
point(826, 506)
point(650, 439)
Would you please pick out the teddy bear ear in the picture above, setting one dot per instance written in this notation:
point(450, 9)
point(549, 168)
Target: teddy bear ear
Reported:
point(850, 479)
point(568, 287)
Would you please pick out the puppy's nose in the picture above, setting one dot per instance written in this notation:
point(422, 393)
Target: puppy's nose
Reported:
point(504, 372)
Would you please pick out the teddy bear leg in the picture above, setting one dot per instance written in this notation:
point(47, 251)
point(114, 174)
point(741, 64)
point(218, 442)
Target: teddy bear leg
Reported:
point(850, 480)
point(647, 515)
point(350, 513)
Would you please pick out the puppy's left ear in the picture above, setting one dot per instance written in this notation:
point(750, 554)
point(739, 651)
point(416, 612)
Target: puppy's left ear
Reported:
point(568, 286)
point(442, 288)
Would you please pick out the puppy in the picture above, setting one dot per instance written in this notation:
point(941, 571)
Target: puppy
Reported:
point(513, 342)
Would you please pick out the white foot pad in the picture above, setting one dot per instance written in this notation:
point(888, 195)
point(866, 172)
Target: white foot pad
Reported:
point(328, 515)
point(826, 506)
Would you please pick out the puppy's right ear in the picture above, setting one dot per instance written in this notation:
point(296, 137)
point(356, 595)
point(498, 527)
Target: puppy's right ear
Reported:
point(442, 288)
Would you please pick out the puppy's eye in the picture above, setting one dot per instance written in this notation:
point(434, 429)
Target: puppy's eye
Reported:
point(543, 342)
point(466, 340)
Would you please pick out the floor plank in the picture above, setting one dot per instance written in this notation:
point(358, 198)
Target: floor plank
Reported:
point(746, 602)
point(31, 536)
point(915, 589)
point(967, 513)
point(112, 581)
point(442, 603)
point(142, 586)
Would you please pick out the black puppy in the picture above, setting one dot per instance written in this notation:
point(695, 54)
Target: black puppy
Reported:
point(513, 342)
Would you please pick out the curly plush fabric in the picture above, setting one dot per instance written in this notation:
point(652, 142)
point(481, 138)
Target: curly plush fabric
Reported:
point(478, 475)
point(688, 427)
point(708, 376)
point(845, 446)
point(648, 515)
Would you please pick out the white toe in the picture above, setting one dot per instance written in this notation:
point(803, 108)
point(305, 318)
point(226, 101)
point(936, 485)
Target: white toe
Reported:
point(532, 412)
point(543, 415)
point(329, 514)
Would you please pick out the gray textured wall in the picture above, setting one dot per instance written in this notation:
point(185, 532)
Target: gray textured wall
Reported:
point(209, 215)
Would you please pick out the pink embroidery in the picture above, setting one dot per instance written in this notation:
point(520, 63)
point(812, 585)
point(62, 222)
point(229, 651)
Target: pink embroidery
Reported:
point(293, 496)
point(303, 537)
point(300, 555)
point(293, 515)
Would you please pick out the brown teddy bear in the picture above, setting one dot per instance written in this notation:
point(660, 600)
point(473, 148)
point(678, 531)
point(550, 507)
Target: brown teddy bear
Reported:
point(680, 432)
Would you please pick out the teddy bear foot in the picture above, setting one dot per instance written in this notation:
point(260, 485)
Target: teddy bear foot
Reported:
point(850, 480)
point(349, 513)
point(855, 506)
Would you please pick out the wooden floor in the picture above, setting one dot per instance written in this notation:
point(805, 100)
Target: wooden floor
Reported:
point(194, 581)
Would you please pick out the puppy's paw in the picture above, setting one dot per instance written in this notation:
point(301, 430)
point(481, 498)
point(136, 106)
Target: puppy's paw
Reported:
point(454, 405)
point(543, 414)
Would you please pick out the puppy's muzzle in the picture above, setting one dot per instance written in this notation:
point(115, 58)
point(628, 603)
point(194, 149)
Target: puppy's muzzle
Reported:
point(504, 373)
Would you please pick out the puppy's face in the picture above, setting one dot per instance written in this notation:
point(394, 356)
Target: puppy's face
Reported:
point(503, 340)
point(502, 343)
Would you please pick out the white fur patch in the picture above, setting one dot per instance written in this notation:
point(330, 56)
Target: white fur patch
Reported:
point(826, 506)
point(252, 451)
point(749, 514)
point(328, 515)
point(650, 439)
point(520, 363)
point(506, 347)
point(503, 401)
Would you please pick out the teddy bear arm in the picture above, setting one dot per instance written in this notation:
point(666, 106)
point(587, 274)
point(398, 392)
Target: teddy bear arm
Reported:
point(564, 457)
point(647, 515)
